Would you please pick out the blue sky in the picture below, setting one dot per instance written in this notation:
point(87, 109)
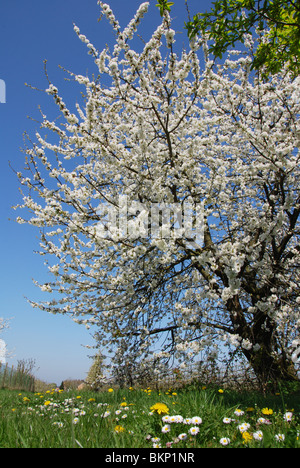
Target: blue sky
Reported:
point(30, 32)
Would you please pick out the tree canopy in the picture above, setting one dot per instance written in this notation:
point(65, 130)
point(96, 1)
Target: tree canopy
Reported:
point(230, 20)
point(118, 190)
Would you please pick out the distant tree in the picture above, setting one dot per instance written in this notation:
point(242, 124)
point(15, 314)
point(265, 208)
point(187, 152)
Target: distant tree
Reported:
point(96, 372)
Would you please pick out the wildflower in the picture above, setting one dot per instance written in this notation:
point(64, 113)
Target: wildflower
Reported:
point(165, 419)
point(182, 436)
point(82, 413)
point(239, 412)
point(288, 416)
point(249, 410)
point(110, 390)
point(58, 424)
point(224, 441)
point(247, 436)
point(159, 408)
point(118, 412)
point(196, 420)
point(47, 403)
point(26, 400)
point(244, 427)
point(123, 403)
point(194, 430)
point(258, 435)
point(78, 397)
point(169, 444)
point(156, 445)
point(124, 416)
point(166, 428)
point(119, 429)
point(13, 409)
point(227, 420)
point(187, 421)
point(267, 411)
point(221, 391)
point(155, 439)
point(263, 421)
point(280, 437)
point(90, 400)
point(75, 420)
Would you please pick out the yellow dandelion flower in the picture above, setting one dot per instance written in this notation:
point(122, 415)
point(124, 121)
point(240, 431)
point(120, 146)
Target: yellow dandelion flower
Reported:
point(47, 403)
point(267, 411)
point(110, 390)
point(221, 391)
point(159, 408)
point(90, 400)
point(247, 436)
point(119, 429)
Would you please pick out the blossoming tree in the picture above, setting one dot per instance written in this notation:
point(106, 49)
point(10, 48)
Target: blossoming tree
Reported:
point(163, 128)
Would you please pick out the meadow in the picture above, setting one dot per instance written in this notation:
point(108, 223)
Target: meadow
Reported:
point(190, 417)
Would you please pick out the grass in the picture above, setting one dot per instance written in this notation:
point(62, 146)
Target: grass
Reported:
point(123, 418)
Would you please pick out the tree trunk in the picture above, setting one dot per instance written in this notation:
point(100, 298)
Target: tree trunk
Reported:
point(269, 366)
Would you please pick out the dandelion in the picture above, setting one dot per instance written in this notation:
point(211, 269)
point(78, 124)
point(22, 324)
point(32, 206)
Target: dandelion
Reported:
point(123, 403)
point(26, 400)
point(159, 408)
point(110, 390)
point(90, 400)
point(47, 403)
point(224, 441)
point(258, 435)
point(194, 430)
point(221, 391)
point(267, 411)
point(247, 436)
point(118, 429)
point(280, 437)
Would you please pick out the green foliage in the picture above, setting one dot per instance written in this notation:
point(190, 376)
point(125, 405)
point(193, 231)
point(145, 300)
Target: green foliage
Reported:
point(163, 6)
point(230, 20)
